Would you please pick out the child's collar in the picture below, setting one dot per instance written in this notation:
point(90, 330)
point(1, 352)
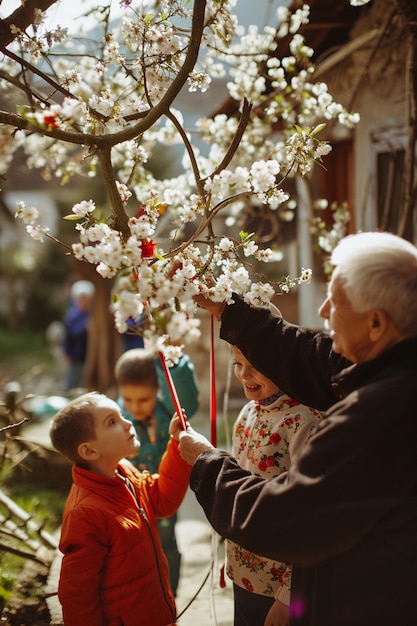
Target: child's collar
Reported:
point(270, 399)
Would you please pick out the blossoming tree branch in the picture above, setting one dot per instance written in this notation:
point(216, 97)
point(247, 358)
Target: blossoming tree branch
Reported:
point(102, 104)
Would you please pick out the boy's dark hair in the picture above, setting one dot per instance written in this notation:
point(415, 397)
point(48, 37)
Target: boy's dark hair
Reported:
point(73, 425)
point(136, 367)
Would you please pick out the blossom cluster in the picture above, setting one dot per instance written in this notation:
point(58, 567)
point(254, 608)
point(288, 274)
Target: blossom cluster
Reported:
point(107, 89)
point(136, 65)
point(328, 234)
point(154, 292)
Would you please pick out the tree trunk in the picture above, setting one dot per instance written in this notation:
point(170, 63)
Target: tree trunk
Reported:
point(104, 342)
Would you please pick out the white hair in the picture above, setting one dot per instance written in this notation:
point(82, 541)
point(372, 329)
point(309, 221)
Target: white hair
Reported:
point(82, 288)
point(379, 271)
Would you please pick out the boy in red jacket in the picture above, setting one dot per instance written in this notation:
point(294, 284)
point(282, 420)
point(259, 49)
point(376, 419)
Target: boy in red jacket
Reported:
point(114, 571)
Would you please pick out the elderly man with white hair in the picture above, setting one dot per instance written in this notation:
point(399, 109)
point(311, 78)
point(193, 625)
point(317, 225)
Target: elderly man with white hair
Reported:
point(345, 514)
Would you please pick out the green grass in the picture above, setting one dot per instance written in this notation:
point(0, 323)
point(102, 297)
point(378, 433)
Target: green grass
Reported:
point(8, 576)
point(46, 505)
point(21, 352)
point(21, 343)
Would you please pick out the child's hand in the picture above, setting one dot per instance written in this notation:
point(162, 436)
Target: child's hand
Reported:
point(175, 427)
point(278, 615)
point(192, 444)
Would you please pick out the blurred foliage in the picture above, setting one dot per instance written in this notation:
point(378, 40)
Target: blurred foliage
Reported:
point(47, 298)
point(24, 343)
point(45, 504)
point(24, 354)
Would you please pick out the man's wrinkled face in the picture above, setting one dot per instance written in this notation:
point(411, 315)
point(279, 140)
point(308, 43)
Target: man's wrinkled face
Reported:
point(349, 330)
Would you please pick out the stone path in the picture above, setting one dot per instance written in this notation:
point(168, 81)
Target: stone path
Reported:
point(202, 555)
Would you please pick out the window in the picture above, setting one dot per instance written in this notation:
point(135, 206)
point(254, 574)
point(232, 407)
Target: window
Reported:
point(389, 188)
point(388, 150)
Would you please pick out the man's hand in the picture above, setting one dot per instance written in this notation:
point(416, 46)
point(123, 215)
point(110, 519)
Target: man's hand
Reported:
point(192, 444)
point(214, 308)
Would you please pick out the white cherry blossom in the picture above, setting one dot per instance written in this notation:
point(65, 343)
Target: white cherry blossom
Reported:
point(108, 90)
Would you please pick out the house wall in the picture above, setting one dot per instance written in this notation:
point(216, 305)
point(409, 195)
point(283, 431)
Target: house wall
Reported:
point(371, 81)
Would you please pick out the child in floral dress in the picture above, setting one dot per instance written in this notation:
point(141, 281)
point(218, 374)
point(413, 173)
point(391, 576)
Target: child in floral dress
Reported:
point(268, 432)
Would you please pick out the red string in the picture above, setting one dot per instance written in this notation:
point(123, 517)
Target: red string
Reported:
point(173, 391)
point(213, 407)
point(213, 417)
point(222, 581)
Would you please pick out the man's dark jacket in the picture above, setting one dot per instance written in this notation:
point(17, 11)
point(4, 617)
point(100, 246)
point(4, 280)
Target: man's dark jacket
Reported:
point(345, 514)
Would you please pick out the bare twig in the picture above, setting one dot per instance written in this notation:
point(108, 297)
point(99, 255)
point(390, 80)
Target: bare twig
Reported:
point(9, 426)
point(23, 17)
point(28, 524)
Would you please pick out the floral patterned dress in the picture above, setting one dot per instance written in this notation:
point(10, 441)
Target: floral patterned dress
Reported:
point(266, 435)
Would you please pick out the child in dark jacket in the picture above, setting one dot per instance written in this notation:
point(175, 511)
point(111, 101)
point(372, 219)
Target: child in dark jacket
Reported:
point(114, 570)
point(145, 400)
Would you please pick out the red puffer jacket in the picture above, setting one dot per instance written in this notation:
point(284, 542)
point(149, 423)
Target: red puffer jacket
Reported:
point(114, 572)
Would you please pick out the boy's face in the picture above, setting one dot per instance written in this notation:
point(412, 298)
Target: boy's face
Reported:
point(255, 385)
point(139, 400)
point(115, 437)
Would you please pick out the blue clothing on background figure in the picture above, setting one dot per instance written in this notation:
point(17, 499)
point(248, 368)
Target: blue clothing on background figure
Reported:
point(130, 341)
point(75, 338)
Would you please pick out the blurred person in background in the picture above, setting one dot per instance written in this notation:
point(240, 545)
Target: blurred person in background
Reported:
point(75, 340)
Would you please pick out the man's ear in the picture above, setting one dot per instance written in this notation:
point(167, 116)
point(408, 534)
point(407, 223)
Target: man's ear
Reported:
point(379, 322)
point(87, 452)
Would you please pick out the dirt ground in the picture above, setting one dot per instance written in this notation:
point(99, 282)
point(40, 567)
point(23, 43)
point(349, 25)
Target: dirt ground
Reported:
point(28, 607)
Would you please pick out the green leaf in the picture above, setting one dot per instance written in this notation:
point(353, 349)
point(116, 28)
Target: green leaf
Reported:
point(72, 217)
point(244, 236)
point(27, 114)
point(317, 129)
